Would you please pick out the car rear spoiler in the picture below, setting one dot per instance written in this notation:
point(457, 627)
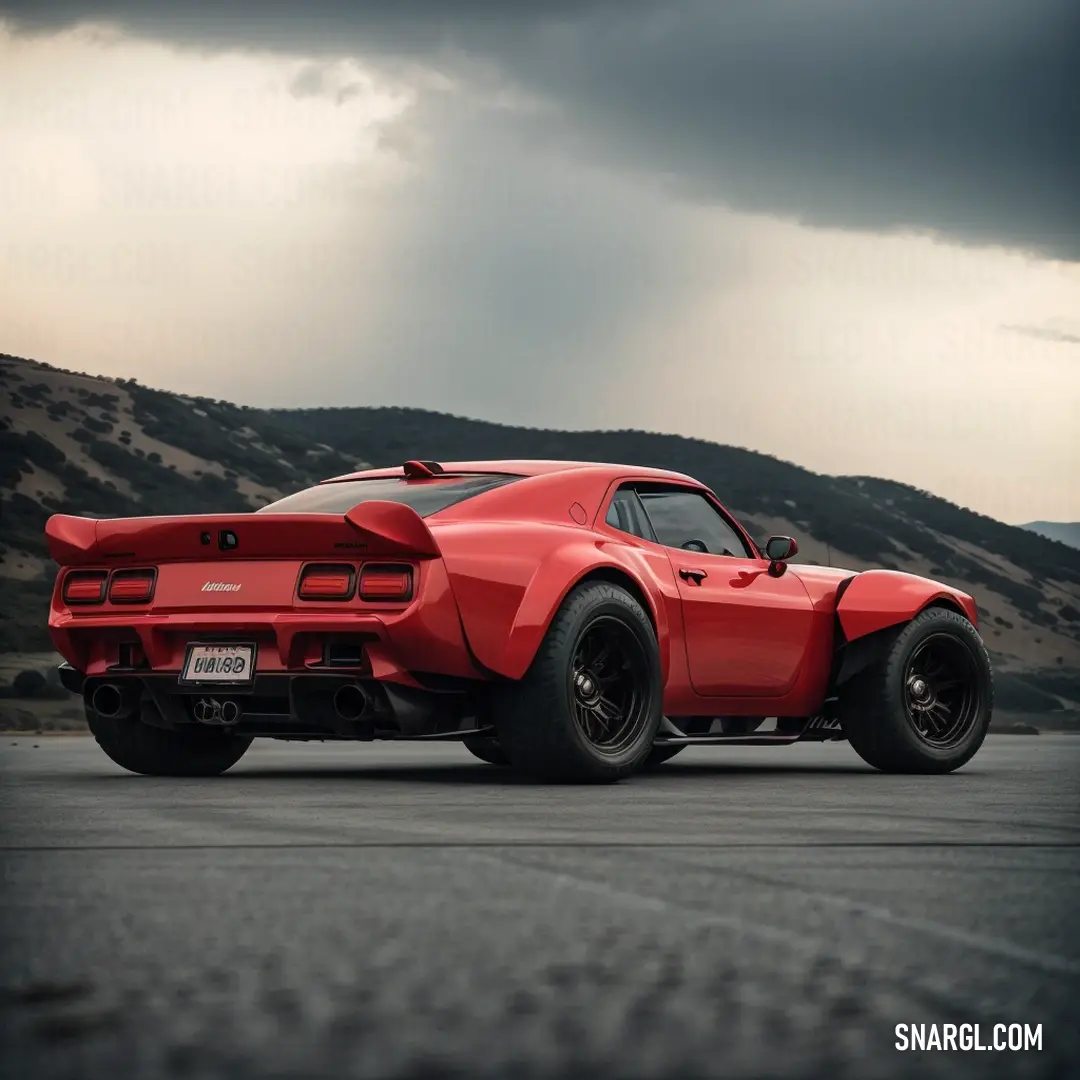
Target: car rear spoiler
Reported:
point(394, 524)
point(370, 528)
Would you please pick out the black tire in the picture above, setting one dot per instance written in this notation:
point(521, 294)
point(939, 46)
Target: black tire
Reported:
point(659, 754)
point(599, 656)
point(487, 750)
point(153, 751)
point(926, 706)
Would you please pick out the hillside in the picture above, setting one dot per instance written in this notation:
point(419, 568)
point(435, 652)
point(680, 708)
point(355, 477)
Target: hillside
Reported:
point(78, 444)
point(87, 445)
point(1064, 532)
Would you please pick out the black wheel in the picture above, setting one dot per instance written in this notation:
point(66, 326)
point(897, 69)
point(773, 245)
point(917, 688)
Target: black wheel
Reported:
point(589, 705)
point(142, 748)
point(926, 707)
point(659, 754)
point(487, 750)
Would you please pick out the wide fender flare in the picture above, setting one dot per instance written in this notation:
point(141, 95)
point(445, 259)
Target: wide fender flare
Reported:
point(555, 578)
point(508, 593)
point(877, 599)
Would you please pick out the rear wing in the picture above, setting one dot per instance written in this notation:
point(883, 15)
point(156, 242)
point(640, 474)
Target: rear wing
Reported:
point(399, 526)
point(371, 528)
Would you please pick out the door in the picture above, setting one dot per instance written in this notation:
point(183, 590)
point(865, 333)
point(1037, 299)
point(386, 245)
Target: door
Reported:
point(746, 630)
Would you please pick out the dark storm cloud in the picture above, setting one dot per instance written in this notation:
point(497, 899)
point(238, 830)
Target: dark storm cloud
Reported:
point(949, 116)
point(509, 273)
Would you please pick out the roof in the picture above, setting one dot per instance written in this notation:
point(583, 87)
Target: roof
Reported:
point(524, 467)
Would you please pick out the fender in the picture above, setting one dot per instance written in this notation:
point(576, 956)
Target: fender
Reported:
point(507, 603)
point(878, 599)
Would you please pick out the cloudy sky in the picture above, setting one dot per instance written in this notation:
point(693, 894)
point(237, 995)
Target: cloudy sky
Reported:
point(845, 232)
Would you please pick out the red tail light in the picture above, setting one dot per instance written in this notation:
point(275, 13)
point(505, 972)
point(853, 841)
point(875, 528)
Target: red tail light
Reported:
point(386, 583)
point(85, 587)
point(326, 583)
point(131, 587)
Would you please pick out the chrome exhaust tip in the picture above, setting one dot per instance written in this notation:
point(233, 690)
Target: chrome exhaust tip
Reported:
point(221, 713)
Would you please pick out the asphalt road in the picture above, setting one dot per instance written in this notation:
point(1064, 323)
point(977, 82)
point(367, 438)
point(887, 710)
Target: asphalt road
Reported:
point(395, 911)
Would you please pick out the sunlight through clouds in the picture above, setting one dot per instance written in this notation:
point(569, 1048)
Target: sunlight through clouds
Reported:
point(178, 204)
point(92, 119)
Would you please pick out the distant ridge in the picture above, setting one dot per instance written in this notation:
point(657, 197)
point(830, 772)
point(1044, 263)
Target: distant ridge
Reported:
point(82, 444)
point(1064, 532)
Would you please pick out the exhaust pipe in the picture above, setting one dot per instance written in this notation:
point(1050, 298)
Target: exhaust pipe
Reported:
point(351, 702)
point(111, 700)
point(212, 711)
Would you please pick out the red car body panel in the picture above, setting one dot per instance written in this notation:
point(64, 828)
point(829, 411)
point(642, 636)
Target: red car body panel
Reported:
point(390, 528)
point(747, 631)
point(426, 635)
point(878, 599)
point(489, 573)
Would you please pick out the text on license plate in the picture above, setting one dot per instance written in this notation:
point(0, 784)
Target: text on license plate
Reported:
point(219, 664)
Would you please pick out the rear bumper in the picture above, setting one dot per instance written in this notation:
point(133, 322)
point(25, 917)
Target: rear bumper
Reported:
point(296, 705)
point(73, 681)
point(426, 637)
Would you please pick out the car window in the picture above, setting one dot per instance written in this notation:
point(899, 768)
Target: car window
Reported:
point(617, 516)
point(426, 497)
point(626, 514)
point(679, 516)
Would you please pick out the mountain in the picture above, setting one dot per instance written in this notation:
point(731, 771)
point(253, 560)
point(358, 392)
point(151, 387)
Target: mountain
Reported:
point(1064, 532)
point(75, 443)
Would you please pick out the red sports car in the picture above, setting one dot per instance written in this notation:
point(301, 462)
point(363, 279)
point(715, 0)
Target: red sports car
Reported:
point(577, 621)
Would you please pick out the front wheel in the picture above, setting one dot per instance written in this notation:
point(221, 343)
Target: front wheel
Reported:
point(926, 706)
point(589, 706)
point(154, 751)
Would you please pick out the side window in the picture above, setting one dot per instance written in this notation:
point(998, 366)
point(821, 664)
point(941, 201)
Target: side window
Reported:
point(679, 517)
point(617, 515)
point(626, 514)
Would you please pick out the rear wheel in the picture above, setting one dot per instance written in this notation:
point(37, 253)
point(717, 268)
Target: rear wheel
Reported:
point(589, 706)
point(487, 750)
point(926, 706)
point(154, 751)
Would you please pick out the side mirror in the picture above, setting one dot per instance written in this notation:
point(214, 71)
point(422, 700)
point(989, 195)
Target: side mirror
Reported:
point(695, 545)
point(780, 548)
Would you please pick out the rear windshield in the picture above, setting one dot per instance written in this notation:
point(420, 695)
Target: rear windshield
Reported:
point(424, 496)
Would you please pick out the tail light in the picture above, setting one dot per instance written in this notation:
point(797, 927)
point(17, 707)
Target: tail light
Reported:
point(85, 587)
point(326, 583)
point(386, 583)
point(131, 587)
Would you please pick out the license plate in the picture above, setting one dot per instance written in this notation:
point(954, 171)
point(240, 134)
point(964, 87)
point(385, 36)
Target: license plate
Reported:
point(217, 665)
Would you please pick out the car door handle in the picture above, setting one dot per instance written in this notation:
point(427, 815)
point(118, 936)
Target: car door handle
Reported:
point(696, 576)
